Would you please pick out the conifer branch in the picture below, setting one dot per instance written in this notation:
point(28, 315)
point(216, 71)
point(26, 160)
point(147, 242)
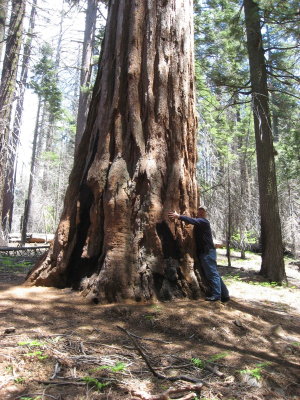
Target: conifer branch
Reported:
point(284, 92)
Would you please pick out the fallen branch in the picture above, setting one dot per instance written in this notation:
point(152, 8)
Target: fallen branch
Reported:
point(39, 396)
point(150, 339)
point(61, 383)
point(155, 373)
point(57, 369)
point(214, 370)
point(177, 366)
point(166, 395)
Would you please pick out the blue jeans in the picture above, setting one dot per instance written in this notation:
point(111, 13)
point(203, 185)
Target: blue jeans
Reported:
point(209, 265)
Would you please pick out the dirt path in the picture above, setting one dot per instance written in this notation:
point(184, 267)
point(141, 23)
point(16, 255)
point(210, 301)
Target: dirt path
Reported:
point(55, 346)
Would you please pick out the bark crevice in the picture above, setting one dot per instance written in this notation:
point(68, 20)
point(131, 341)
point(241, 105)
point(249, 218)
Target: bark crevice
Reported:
point(80, 264)
point(170, 247)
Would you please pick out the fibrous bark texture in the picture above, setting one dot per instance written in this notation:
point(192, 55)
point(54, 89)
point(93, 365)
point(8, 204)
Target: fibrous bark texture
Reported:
point(136, 161)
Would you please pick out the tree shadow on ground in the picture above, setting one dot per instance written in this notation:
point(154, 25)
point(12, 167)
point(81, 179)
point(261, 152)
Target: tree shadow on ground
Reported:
point(79, 335)
point(253, 276)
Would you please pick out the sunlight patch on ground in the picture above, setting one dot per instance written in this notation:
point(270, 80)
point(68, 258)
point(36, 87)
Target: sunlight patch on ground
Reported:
point(291, 297)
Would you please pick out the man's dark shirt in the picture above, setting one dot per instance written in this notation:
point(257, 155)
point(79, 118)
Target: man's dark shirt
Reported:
point(202, 233)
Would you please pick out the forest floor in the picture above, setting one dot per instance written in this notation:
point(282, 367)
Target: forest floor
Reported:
point(56, 346)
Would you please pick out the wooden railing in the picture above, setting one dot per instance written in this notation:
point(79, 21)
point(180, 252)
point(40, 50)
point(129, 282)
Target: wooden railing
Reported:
point(23, 250)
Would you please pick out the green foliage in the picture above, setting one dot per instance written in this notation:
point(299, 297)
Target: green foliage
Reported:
point(226, 141)
point(50, 156)
point(95, 60)
point(255, 372)
point(265, 284)
point(95, 383)
point(250, 237)
point(218, 356)
point(19, 380)
point(149, 317)
point(232, 277)
point(219, 48)
point(44, 82)
point(86, 89)
point(24, 264)
point(198, 362)
point(7, 261)
point(119, 366)
point(204, 398)
point(31, 343)
point(201, 363)
point(236, 277)
point(288, 147)
point(37, 354)
point(296, 344)
point(14, 263)
point(30, 398)
point(157, 308)
point(69, 125)
point(9, 368)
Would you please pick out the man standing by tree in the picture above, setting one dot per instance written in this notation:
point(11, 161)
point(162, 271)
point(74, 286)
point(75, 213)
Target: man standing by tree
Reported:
point(206, 253)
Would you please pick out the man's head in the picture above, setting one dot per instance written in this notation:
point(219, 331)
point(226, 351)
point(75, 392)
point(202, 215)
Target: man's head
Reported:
point(201, 212)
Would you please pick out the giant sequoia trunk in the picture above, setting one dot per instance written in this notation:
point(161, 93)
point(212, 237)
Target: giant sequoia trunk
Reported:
point(272, 249)
point(135, 162)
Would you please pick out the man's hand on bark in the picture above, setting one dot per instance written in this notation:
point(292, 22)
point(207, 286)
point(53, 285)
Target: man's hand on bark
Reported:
point(173, 215)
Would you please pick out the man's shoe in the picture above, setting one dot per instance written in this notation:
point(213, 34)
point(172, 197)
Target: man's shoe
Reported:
point(212, 298)
point(225, 299)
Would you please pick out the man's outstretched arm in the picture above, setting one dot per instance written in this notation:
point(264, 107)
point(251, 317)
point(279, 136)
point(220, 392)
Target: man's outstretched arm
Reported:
point(174, 215)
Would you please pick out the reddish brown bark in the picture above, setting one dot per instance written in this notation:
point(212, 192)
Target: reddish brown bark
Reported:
point(135, 163)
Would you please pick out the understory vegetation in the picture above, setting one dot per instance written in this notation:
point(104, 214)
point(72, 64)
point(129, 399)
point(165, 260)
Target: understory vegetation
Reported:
point(55, 346)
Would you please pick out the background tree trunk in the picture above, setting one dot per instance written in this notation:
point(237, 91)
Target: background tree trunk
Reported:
point(8, 84)
point(229, 216)
point(3, 13)
point(272, 248)
point(8, 201)
point(135, 162)
point(86, 68)
point(31, 177)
